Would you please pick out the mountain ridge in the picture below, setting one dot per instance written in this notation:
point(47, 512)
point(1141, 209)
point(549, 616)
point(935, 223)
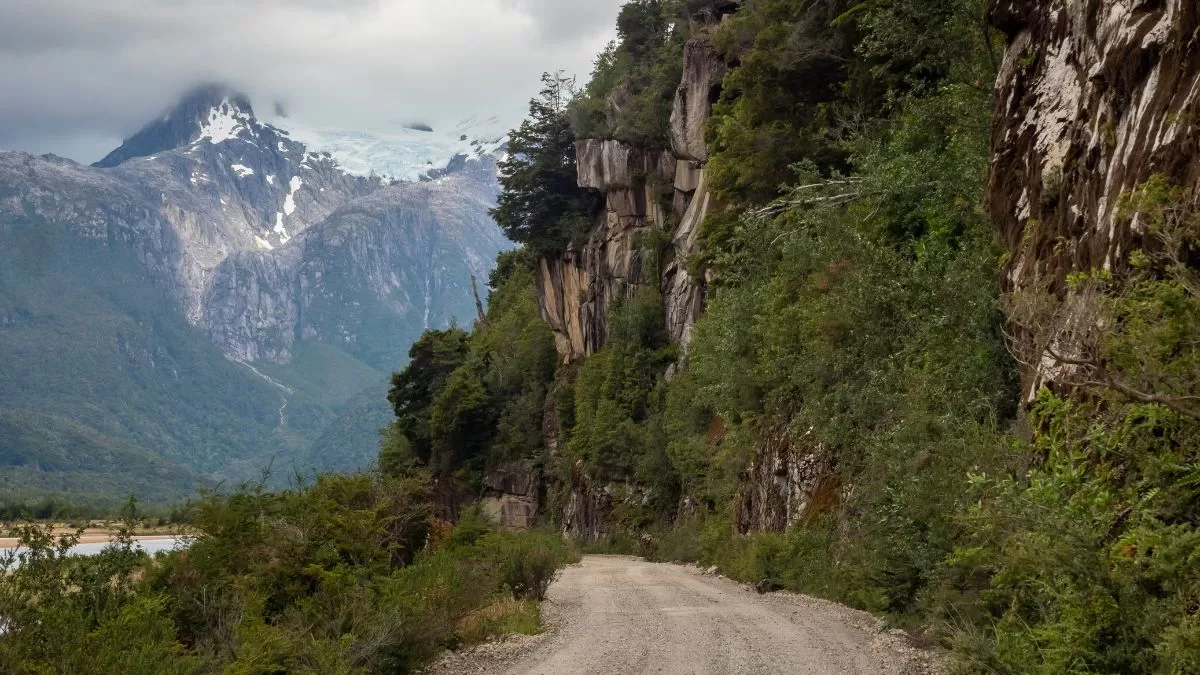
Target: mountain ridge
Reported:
point(277, 264)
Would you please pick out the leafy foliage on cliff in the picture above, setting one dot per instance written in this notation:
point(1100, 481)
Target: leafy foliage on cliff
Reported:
point(466, 401)
point(1090, 555)
point(795, 95)
point(633, 85)
point(612, 427)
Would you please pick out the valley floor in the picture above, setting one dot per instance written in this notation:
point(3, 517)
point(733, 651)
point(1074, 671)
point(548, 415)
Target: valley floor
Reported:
point(623, 615)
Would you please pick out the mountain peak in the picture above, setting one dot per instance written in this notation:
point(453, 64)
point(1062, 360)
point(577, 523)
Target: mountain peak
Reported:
point(216, 112)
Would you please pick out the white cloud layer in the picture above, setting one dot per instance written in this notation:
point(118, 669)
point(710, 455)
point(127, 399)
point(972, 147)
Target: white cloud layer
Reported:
point(79, 75)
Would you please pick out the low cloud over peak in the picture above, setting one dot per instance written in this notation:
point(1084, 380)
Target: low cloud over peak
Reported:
point(79, 76)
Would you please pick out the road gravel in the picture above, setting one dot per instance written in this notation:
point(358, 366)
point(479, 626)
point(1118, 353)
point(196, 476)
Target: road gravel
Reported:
point(616, 615)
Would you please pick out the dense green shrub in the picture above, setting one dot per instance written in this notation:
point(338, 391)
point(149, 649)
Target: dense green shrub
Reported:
point(542, 205)
point(782, 103)
point(529, 562)
point(338, 576)
point(632, 88)
point(1085, 561)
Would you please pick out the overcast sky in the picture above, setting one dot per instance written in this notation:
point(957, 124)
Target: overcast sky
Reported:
point(77, 76)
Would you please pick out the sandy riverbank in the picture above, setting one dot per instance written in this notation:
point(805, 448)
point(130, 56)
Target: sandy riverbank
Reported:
point(10, 542)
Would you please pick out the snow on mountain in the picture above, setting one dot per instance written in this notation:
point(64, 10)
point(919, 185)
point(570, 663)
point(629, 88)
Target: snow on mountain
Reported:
point(224, 122)
point(404, 155)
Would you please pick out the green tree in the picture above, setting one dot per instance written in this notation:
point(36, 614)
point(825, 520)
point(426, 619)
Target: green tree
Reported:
point(468, 401)
point(633, 85)
point(782, 104)
point(431, 361)
point(541, 204)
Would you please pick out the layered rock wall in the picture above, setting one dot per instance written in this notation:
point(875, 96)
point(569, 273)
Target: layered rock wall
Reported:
point(644, 190)
point(511, 494)
point(577, 288)
point(1094, 97)
point(787, 481)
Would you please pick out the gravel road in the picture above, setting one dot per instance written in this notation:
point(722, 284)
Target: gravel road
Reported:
point(623, 615)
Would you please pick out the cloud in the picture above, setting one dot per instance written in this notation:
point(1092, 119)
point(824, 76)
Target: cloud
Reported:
point(78, 75)
point(557, 20)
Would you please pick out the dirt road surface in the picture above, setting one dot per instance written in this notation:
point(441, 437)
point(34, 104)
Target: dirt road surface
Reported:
point(616, 615)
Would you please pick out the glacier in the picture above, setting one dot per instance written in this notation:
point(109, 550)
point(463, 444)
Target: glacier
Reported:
point(398, 155)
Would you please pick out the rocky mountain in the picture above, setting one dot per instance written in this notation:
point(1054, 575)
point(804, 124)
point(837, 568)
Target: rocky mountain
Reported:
point(282, 270)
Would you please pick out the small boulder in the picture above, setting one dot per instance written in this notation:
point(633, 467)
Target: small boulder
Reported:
point(768, 586)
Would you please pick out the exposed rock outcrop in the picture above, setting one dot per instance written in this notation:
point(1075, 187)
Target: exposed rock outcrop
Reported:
point(610, 166)
point(683, 294)
point(703, 73)
point(510, 496)
point(1094, 97)
point(577, 289)
point(649, 195)
point(588, 513)
point(786, 482)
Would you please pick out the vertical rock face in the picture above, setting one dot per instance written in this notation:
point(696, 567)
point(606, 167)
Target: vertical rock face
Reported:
point(683, 294)
point(649, 194)
point(577, 288)
point(511, 494)
point(642, 189)
point(1094, 97)
point(703, 73)
point(785, 484)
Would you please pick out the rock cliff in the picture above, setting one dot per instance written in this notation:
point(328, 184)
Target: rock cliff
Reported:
point(645, 190)
point(511, 494)
point(1093, 98)
point(656, 201)
point(577, 288)
point(786, 481)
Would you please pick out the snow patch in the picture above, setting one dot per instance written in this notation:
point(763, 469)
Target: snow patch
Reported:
point(224, 123)
point(279, 229)
point(289, 204)
point(263, 243)
point(242, 170)
point(270, 180)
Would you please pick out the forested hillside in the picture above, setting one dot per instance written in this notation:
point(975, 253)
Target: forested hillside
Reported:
point(963, 399)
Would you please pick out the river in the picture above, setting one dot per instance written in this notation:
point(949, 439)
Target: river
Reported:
point(151, 546)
